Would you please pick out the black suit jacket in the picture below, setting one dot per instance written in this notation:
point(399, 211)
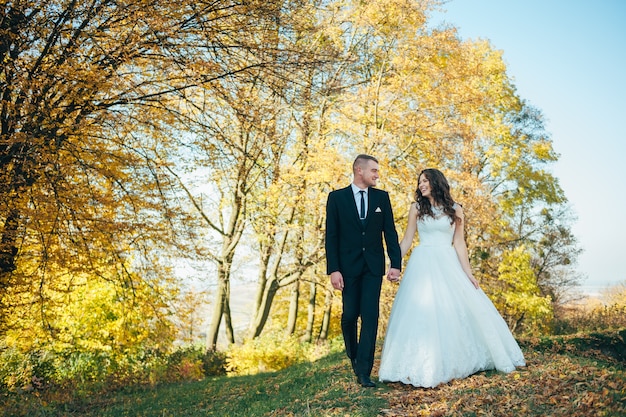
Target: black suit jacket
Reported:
point(350, 244)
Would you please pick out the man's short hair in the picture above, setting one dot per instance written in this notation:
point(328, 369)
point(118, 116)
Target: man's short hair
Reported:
point(360, 159)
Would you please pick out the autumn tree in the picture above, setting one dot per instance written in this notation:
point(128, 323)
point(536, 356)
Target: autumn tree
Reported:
point(95, 100)
point(231, 150)
point(424, 98)
point(240, 131)
point(77, 182)
point(289, 204)
point(518, 296)
point(418, 97)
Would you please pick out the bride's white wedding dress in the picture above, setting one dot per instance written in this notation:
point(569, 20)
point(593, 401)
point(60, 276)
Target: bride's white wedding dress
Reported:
point(441, 327)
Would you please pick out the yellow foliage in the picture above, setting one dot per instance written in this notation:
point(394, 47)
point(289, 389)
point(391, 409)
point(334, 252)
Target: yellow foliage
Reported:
point(519, 297)
point(116, 114)
point(270, 352)
point(91, 315)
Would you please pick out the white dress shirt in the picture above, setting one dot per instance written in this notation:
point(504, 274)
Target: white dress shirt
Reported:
point(357, 199)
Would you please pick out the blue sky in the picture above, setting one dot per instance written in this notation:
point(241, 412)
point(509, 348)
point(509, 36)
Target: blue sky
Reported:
point(568, 58)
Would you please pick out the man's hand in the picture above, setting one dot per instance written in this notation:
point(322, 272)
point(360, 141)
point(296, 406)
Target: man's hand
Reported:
point(393, 275)
point(337, 280)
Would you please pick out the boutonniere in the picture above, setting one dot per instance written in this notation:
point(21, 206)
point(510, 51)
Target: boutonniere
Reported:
point(378, 210)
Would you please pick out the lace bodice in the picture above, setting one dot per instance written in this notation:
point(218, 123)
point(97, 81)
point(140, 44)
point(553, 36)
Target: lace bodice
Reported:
point(435, 231)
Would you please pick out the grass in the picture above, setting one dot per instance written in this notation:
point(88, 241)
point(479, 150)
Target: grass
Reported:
point(323, 388)
point(561, 379)
point(305, 389)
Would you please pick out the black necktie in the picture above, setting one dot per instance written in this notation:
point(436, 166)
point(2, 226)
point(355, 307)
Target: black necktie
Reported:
point(362, 205)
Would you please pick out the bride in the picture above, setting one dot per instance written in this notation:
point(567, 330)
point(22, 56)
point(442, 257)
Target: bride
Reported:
point(442, 325)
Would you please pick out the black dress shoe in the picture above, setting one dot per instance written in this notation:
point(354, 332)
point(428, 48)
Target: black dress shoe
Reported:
point(365, 381)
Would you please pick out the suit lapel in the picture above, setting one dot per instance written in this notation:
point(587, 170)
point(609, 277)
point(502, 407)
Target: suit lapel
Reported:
point(350, 205)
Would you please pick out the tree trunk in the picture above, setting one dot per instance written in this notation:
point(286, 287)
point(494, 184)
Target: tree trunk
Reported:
point(311, 314)
point(8, 252)
point(262, 283)
point(222, 304)
point(218, 309)
point(8, 247)
point(264, 310)
point(228, 319)
point(293, 308)
point(328, 306)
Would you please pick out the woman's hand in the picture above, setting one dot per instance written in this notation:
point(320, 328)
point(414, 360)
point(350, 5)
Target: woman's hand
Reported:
point(474, 281)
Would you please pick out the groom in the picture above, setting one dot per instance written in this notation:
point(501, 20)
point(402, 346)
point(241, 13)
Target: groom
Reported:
point(357, 217)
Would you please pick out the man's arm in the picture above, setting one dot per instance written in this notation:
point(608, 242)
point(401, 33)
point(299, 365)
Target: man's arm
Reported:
point(391, 237)
point(331, 242)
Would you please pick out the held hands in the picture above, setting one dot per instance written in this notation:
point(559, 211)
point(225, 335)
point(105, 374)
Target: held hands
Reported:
point(393, 275)
point(336, 279)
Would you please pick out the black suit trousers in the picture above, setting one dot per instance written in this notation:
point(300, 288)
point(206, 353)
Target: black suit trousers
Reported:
point(360, 298)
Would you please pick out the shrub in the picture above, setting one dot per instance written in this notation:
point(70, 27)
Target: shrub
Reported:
point(269, 352)
point(608, 312)
point(585, 319)
point(193, 362)
point(26, 371)
point(88, 371)
point(214, 363)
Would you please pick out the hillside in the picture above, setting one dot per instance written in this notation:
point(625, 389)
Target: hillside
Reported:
point(576, 376)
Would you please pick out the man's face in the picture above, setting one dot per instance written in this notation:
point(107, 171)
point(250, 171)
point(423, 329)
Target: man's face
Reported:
point(369, 172)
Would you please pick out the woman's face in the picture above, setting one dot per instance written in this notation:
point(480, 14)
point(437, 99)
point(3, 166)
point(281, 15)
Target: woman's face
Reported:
point(424, 186)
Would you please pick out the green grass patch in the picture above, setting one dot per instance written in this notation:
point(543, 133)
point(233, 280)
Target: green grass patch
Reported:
point(323, 388)
point(569, 377)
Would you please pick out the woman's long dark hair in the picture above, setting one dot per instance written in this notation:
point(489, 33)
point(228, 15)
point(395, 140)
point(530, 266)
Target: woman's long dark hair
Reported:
point(440, 191)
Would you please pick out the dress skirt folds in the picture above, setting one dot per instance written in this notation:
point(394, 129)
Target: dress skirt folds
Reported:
point(441, 327)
